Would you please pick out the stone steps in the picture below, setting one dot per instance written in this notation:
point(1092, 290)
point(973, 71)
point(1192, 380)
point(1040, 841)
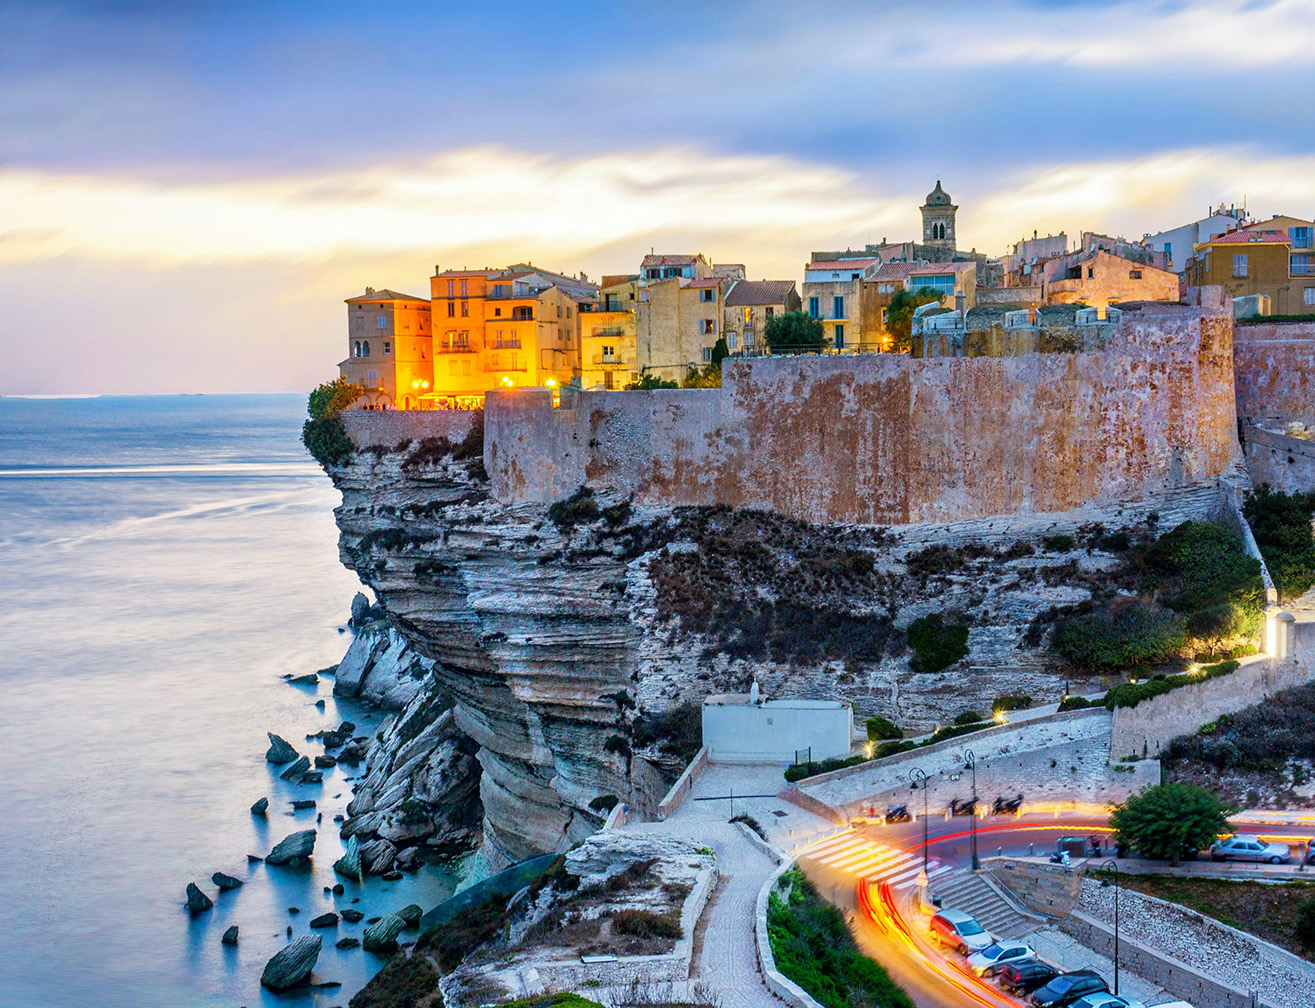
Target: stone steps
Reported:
point(969, 892)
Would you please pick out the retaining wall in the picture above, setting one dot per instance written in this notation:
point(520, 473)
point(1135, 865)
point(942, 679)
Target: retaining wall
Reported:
point(1285, 463)
point(387, 428)
point(684, 784)
point(1274, 368)
point(783, 987)
point(1146, 729)
point(1047, 889)
point(889, 439)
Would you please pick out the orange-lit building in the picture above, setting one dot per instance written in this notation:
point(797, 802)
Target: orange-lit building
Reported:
point(389, 349)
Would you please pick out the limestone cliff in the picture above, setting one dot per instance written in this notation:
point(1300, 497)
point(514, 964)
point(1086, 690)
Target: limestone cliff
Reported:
point(558, 640)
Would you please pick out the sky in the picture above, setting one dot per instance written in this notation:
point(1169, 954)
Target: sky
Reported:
point(189, 189)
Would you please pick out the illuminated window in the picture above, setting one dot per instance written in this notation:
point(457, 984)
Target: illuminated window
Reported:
point(465, 308)
point(771, 312)
point(388, 347)
point(709, 326)
point(748, 315)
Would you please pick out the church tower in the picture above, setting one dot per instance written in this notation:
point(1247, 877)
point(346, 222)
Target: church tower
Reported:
point(938, 219)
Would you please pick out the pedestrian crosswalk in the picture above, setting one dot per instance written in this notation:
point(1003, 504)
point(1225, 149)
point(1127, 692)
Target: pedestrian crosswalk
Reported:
point(877, 862)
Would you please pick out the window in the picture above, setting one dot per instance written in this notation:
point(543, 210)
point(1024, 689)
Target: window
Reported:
point(497, 312)
point(451, 288)
point(815, 307)
point(497, 290)
point(372, 374)
point(1308, 296)
point(1300, 237)
point(730, 341)
point(382, 322)
point(706, 294)
point(365, 349)
point(940, 282)
point(559, 311)
point(885, 288)
point(838, 306)
point(568, 311)
point(388, 347)
point(1301, 264)
point(1091, 272)
point(748, 315)
point(1240, 264)
point(609, 355)
point(748, 339)
point(356, 349)
point(360, 322)
point(840, 337)
point(464, 286)
point(883, 315)
point(709, 326)
point(452, 367)
point(465, 309)
point(451, 309)
point(771, 312)
point(1168, 251)
point(707, 354)
point(670, 271)
point(652, 274)
point(1134, 274)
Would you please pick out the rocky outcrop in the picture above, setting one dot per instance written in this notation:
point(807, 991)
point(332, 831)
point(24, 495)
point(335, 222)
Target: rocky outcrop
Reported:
point(377, 857)
point(292, 849)
point(381, 936)
point(382, 667)
point(349, 865)
point(291, 966)
point(280, 750)
point(197, 901)
point(225, 881)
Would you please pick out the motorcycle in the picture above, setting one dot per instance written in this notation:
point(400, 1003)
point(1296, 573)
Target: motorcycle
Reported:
point(897, 813)
point(963, 806)
point(1007, 806)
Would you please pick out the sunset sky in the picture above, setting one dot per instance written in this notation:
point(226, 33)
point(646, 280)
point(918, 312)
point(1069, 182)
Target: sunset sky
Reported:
point(188, 190)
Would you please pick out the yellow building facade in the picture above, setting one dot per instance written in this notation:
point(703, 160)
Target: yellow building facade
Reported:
point(608, 354)
point(389, 349)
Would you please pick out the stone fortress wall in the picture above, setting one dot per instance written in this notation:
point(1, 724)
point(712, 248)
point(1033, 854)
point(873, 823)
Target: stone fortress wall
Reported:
point(893, 440)
point(1274, 367)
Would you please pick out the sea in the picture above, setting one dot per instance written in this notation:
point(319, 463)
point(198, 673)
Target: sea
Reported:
point(164, 562)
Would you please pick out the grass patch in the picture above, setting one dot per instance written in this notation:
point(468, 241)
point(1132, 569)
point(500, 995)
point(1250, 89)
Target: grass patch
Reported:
point(813, 947)
point(1281, 524)
point(936, 644)
point(404, 982)
point(647, 924)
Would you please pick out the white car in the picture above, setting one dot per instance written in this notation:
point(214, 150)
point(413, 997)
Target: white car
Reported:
point(1108, 1001)
point(989, 960)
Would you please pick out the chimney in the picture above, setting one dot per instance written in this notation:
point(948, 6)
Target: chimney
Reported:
point(958, 305)
point(369, 290)
point(1034, 234)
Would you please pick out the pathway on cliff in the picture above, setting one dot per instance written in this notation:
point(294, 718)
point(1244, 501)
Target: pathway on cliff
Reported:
point(726, 963)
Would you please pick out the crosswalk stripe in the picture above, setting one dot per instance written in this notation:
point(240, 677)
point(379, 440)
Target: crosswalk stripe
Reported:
point(844, 858)
point(873, 866)
point(830, 843)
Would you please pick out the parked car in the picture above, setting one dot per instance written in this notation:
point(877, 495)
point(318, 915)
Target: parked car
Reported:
point(988, 961)
point(959, 931)
point(1019, 978)
point(1107, 1001)
point(1066, 988)
point(1249, 848)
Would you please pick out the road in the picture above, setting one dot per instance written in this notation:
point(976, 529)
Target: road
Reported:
point(895, 854)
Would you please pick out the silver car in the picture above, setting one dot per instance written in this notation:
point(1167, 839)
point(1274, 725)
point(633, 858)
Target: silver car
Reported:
point(1249, 848)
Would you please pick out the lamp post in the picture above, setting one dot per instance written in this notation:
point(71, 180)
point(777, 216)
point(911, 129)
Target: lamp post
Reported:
point(1114, 866)
point(918, 778)
point(970, 761)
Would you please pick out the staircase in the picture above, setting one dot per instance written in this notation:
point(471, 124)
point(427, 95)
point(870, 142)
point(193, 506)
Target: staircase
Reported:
point(973, 894)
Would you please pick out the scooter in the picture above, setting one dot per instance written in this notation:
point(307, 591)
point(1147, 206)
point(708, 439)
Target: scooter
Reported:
point(1007, 806)
point(897, 813)
point(963, 806)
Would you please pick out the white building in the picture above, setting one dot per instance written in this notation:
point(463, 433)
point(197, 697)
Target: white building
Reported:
point(1177, 243)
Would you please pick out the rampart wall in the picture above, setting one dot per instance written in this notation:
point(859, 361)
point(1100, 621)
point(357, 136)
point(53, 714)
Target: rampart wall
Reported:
point(388, 428)
point(889, 439)
point(1285, 463)
point(1274, 363)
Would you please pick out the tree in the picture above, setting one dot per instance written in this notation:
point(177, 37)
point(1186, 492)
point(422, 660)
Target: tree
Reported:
point(708, 376)
point(1303, 925)
point(1164, 820)
point(323, 434)
point(795, 332)
point(649, 382)
point(899, 313)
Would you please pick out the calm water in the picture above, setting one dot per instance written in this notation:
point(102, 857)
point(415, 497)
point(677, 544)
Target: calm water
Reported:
point(163, 560)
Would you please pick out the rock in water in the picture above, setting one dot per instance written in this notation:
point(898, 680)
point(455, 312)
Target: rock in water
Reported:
point(260, 807)
point(230, 936)
point(377, 857)
point(295, 847)
point(309, 679)
point(324, 762)
point(348, 943)
point(351, 916)
point(352, 754)
point(304, 803)
point(411, 914)
point(197, 901)
point(349, 864)
point(324, 920)
point(279, 750)
point(292, 965)
point(225, 881)
point(294, 772)
point(253, 859)
point(360, 606)
point(382, 935)
point(311, 777)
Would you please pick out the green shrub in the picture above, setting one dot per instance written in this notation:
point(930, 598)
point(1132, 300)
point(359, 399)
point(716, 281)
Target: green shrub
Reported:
point(328, 400)
point(648, 382)
point(578, 509)
point(1120, 635)
point(1010, 703)
point(812, 946)
point(647, 924)
point(1131, 694)
point(937, 645)
point(752, 823)
point(402, 983)
point(1059, 543)
point(955, 730)
point(677, 732)
point(968, 717)
point(1281, 524)
point(879, 729)
point(1303, 925)
point(1203, 566)
point(1075, 703)
point(323, 434)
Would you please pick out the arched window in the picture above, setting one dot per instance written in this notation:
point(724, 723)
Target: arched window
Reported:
point(356, 349)
point(938, 231)
point(365, 348)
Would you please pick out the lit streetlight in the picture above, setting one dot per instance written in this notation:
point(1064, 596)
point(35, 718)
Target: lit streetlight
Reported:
point(970, 763)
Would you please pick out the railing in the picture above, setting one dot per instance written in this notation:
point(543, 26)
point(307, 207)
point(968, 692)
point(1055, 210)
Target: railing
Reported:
point(1303, 269)
point(489, 366)
point(614, 359)
point(507, 343)
point(609, 332)
point(446, 347)
point(509, 295)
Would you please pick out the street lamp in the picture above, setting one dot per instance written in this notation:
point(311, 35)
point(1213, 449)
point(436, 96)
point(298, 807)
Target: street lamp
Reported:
point(970, 762)
point(918, 778)
point(1113, 866)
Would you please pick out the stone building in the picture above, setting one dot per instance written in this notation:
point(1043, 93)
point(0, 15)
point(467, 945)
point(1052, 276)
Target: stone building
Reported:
point(1098, 278)
point(389, 348)
point(678, 323)
point(833, 294)
point(1255, 261)
point(1178, 244)
point(749, 305)
point(608, 356)
point(938, 219)
point(950, 280)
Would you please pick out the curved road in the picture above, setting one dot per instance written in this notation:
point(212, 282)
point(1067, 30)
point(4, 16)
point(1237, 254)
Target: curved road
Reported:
point(896, 853)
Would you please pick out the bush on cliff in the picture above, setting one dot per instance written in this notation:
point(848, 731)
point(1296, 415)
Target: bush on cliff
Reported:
point(1203, 572)
point(1281, 524)
point(795, 332)
point(1167, 820)
point(936, 644)
point(881, 729)
point(1131, 694)
point(649, 382)
point(1264, 737)
point(1125, 633)
point(812, 945)
point(404, 982)
point(323, 434)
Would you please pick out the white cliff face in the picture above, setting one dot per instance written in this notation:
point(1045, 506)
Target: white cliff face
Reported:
point(550, 649)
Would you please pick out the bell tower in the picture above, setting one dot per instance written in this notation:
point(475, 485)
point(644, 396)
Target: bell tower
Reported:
point(938, 219)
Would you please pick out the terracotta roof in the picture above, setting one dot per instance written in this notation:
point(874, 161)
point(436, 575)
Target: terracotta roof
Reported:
point(612, 279)
point(386, 295)
point(700, 281)
point(842, 264)
point(902, 271)
point(759, 292)
point(668, 260)
point(1250, 236)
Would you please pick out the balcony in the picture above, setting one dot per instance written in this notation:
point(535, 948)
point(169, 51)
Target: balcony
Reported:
point(614, 360)
point(492, 368)
point(1303, 269)
point(506, 343)
point(452, 346)
point(610, 332)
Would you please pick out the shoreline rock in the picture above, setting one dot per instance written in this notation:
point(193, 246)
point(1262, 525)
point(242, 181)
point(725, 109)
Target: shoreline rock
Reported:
point(260, 806)
point(292, 965)
point(349, 864)
point(381, 936)
point(280, 750)
point(229, 936)
point(294, 772)
point(293, 848)
point(197, 901)
point(225, 881)
point(325, 920)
